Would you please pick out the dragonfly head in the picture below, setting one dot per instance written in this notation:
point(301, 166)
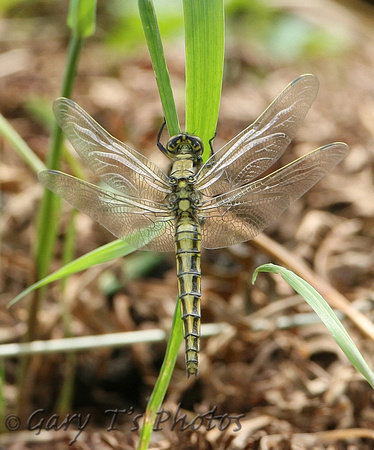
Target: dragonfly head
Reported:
point(185, 146)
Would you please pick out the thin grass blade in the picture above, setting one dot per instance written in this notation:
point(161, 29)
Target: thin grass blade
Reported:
point(325, 313)
point(25, 152)
point(105, 253)
point(159, 391)
point(81, 17)
point(152, 34)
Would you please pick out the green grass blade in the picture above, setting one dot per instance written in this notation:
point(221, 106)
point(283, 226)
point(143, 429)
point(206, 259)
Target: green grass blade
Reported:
point(156, 51)
point(81, 17)
point(11, 135)
point(326, 314)
point(204, 25)
point(48, 217)
point(159, 391)
point(50, 206)
point(105, 253)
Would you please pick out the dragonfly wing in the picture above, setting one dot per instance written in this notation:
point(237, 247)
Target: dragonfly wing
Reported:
point(142, 223)
point(241, 214)
point(260, 145)
point(117, 164)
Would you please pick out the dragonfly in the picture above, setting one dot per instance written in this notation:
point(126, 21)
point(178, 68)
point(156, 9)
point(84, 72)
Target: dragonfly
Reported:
point(223, 202)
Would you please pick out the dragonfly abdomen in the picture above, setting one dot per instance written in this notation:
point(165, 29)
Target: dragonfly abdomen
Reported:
point(187, 245)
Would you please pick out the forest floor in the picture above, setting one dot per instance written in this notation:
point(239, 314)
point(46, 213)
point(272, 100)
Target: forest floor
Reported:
point(274, 372)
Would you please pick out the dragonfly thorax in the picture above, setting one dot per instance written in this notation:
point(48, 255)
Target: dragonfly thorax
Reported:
point(185, 146)
point(183, 197)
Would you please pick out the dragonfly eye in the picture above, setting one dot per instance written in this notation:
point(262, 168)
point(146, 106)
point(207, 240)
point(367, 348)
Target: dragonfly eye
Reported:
point(197, 144)
point(174, 143)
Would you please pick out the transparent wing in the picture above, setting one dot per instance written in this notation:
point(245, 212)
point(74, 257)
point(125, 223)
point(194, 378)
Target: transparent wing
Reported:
point(142, 223)
point(117, 164)
point(241, 214)
point(257, 147)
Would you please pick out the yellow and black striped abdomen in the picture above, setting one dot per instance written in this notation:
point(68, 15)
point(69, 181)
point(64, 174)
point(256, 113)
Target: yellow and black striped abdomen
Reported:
point(187, 246)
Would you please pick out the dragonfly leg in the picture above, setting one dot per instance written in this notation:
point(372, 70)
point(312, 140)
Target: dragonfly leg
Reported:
point(211, 143)
point(159, 145)
point(211, 158)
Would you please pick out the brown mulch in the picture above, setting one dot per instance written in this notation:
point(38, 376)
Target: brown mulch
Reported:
point(286, 385)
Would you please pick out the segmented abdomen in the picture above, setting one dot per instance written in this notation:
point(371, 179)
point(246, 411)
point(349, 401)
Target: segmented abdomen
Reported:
point(187, 245)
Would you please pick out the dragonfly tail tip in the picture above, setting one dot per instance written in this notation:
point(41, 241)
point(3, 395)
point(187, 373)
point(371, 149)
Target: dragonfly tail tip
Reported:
point(193, 371)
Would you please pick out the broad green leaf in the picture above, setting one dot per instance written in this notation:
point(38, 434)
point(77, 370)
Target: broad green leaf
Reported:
point(325, 313)
point(204, 29)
